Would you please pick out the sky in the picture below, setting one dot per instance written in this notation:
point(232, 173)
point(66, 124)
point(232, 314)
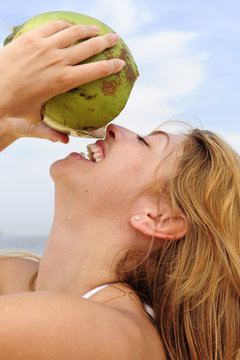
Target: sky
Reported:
point(188, 57)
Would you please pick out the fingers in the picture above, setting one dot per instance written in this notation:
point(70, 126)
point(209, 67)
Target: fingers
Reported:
point(86, 49)
point(43, 131)
point(50, 28)
point(81, 74)
point(18, 128)
point(68, 36)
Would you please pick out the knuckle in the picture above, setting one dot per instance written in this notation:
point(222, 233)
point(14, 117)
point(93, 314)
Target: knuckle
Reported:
point(109, 39)
point(62, 80)
point(77, 29)
point(105, 68)
point(27, 38)
point(30, 41)
point(95, 45)
point(85, 30)
point(81, 30)
point(89, 28)
point(55, 24)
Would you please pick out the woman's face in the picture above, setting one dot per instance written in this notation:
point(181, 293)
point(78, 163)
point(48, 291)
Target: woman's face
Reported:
point(125, 165)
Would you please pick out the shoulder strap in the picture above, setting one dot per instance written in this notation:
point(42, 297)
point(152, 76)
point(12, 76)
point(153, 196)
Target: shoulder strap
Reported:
point(94, 291)
point(149, 311)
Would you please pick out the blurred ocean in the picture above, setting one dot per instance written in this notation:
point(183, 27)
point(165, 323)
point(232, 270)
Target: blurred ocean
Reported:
point(34, 244)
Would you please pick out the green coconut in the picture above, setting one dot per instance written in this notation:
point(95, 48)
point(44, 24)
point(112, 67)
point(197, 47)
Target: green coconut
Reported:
point(85, 109)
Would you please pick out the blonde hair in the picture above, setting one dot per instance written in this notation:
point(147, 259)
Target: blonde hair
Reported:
point(25, 255)
point(193, 284)
point(20, 253)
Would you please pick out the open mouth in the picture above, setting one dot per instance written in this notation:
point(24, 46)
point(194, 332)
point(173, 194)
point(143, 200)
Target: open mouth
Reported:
point(95, 152)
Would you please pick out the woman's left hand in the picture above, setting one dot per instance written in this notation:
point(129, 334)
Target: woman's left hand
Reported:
point(41, 64)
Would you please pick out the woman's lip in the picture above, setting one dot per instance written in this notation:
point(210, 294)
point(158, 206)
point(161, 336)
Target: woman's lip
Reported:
point(76, 155)
point(101, 143)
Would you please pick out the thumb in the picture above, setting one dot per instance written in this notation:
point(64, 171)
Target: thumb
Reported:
point(42, 131)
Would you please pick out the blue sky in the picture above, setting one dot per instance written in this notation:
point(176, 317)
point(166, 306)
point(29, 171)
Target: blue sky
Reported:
point(187, 52)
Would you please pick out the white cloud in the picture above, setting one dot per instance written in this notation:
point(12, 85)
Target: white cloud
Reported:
point(125, 16)
point(169, 72)
point(233, 139)
point(168, 61)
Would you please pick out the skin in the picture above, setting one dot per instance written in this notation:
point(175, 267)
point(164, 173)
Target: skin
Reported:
point(95, 220)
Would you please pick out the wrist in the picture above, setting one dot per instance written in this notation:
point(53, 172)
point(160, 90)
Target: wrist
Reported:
point(4, 111)
point(7, 135)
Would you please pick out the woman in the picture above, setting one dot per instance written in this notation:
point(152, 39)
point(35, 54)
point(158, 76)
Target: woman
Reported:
point(150, 233)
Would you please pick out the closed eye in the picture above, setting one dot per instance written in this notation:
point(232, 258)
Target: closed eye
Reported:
point(142, 139)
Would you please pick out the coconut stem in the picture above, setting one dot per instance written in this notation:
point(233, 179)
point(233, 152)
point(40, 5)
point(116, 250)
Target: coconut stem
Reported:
point(12, 28)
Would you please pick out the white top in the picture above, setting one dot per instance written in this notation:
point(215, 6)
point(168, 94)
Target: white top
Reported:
point(148, 309)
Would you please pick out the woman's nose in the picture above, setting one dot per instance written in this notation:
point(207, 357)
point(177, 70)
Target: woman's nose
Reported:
point(116, 132)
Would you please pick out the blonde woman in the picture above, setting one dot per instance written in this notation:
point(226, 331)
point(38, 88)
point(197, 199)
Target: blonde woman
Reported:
point(143, 257)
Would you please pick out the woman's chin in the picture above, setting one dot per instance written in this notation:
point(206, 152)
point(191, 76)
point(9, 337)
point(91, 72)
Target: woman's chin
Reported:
point(56, 169)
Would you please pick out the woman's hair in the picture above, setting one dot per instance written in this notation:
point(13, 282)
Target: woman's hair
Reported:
point(26, 255)
point(193, 284)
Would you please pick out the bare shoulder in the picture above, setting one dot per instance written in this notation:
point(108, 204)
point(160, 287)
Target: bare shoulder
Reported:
point(69, 327)
point(15, 273)
point(141, 332)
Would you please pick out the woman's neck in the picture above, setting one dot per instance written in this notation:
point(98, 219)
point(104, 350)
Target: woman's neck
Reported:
point(74, 260)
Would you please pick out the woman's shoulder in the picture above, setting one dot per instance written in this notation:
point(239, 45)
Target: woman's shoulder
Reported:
point(121, 299)
point(15, 274)
point(72, 327)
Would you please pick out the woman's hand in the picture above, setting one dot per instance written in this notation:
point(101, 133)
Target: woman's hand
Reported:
point(39, 65)
point(12, 129)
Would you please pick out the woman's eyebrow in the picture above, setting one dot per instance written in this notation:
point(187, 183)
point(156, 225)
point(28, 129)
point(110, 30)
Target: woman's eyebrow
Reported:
point(160, 132)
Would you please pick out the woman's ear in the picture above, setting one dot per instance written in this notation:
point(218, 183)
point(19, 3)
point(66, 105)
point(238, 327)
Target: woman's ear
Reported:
point(165, 224)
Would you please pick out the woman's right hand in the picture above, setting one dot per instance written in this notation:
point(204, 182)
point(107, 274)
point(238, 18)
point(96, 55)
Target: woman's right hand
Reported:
point(39, 65)
point(12, 129)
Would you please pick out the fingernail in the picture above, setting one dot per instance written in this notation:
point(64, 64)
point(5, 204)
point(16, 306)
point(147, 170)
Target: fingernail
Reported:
point(121, 63)
point(115, 37)
point(95, 28)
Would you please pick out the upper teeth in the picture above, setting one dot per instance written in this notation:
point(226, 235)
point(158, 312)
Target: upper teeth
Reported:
point(95, 152)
